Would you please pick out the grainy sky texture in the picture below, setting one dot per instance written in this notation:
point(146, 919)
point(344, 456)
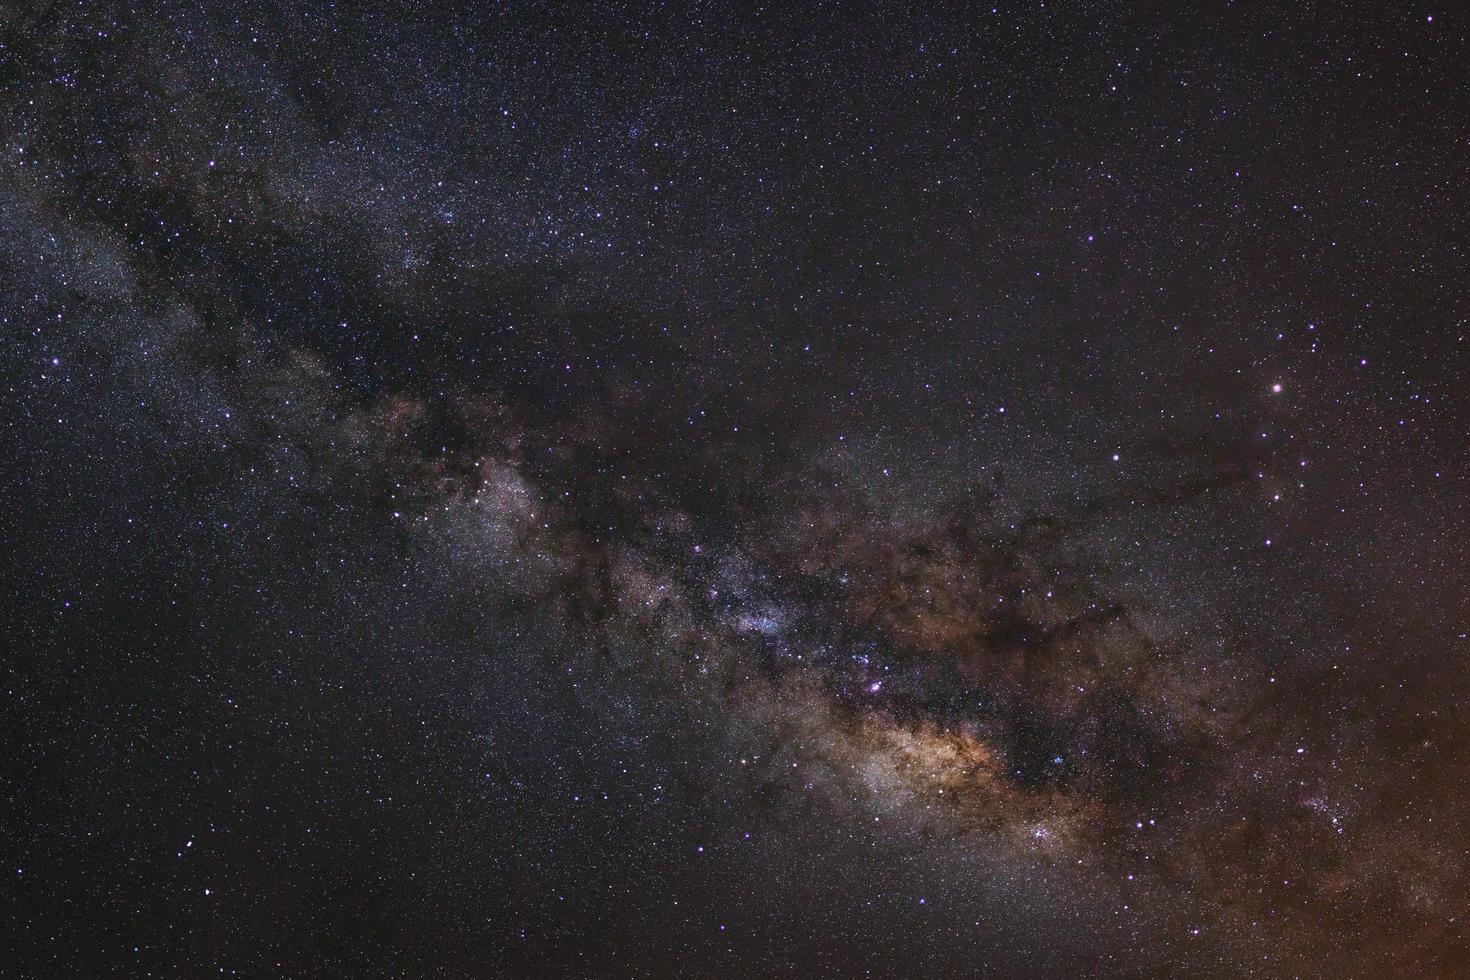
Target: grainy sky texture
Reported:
point(694, 490)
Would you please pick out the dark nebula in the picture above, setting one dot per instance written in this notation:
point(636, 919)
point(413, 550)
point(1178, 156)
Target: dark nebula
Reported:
point(602, 490)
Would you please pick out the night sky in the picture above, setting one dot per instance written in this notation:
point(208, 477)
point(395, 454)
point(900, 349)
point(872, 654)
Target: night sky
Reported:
point(694, 490)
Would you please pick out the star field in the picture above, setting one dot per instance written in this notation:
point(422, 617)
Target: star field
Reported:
point(631, 490)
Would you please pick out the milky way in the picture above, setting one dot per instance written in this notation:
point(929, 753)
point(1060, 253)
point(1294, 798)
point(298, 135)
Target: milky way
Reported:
point(735, 492)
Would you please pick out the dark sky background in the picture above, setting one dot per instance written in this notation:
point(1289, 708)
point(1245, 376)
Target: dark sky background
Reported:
point(605, 490)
